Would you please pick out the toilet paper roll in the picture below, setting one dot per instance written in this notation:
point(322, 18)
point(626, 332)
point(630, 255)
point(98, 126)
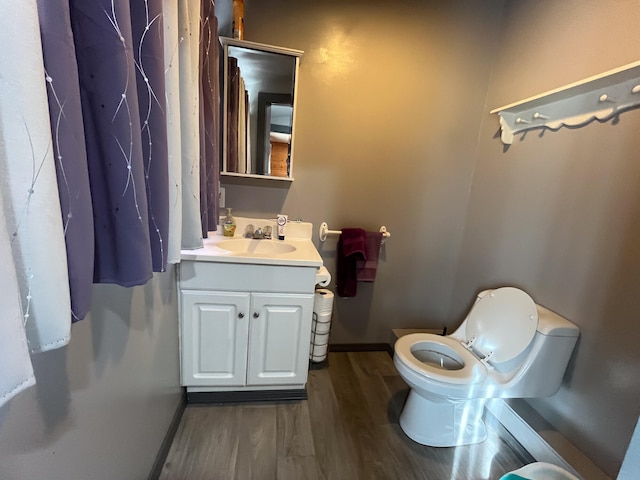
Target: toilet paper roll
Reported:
point(323, 301)
point(318, 340)
point(323, 277)
point(321, 323)
point(318, 353)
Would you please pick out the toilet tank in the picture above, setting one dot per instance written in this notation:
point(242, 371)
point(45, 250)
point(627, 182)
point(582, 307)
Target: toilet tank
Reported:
point(539, 370)
point(546, 360)
point(552, 324)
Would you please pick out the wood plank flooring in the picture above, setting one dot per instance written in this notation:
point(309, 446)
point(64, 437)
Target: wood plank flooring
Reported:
point(347, 430)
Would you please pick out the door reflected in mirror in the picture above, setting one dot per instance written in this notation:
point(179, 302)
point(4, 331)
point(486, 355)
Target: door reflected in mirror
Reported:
point(275, 122)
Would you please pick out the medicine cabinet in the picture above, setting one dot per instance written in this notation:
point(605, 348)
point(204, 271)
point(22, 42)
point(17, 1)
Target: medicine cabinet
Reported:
point(259, 110)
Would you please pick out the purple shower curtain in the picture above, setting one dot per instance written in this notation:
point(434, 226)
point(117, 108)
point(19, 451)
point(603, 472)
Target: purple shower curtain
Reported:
point(146, 19)
point(83, 163)
point(115, 194)
point(105, 56)
point(70, 157)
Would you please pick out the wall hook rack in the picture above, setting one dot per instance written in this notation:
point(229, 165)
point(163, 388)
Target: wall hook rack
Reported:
point(324, 231)
point(600, 97)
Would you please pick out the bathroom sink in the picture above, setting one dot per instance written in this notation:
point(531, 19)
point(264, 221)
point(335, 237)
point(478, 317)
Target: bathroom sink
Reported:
point(256, 247)
point(296, 250)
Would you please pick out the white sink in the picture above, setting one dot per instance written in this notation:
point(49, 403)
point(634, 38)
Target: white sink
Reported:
point(296, 250)
point(255, 247)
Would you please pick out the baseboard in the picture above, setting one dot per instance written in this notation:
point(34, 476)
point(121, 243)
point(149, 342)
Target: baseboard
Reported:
point(360, 347)
point(524, 432)
point(247, 396)
point(161, 457)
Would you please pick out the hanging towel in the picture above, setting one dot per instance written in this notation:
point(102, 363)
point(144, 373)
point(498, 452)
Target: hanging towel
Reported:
point(351, 248)
point(366, 269)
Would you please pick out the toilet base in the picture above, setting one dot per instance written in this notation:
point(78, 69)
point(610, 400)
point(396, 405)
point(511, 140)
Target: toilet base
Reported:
point(443, 424)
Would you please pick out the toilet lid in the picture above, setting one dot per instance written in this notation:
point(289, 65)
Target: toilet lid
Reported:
point(503, 322)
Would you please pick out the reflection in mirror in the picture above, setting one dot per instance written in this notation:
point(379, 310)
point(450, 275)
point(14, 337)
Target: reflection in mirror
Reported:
point(253, 73)
point(275, 121)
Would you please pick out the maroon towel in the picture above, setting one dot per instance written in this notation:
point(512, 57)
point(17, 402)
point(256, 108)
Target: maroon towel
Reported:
point(366, 269)
point(351, 248)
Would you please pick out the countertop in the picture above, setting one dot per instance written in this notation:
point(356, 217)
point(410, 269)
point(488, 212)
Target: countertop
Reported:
point(298, 236)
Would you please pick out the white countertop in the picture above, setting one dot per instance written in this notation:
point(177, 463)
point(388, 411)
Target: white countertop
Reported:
point(298, 235)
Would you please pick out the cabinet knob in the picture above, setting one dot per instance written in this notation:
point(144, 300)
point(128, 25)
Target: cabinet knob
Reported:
point(256, 314)
point(241, 315)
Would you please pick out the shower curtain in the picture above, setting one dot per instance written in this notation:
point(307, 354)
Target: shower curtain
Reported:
point(30, 206)
point(109, 159)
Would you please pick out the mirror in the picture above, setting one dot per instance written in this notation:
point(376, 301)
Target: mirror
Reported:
point(259, 109)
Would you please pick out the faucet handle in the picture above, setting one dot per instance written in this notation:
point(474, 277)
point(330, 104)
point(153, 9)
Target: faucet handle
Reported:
point(267, 231)
point(248, 231)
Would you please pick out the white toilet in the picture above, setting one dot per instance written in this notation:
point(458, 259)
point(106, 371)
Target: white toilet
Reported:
point(506, 347)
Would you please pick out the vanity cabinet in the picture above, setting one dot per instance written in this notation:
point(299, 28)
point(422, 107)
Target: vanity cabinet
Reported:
point(243, 339)
point(244, 327)
point(259, 110)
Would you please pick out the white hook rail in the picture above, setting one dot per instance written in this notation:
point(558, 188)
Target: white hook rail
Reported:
point(324, 231)
point(601, 97)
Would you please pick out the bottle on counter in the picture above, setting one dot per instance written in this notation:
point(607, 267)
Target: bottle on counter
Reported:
point(282, 225)
point(229, 225)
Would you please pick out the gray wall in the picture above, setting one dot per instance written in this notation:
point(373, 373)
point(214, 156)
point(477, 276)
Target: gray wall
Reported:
point(390, 99)
point(101, 405)
point(393, 128)
point(559, 214)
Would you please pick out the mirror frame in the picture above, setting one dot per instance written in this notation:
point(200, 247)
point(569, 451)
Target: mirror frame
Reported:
point(262, 167)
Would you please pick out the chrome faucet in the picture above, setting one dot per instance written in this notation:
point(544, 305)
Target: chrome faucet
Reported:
point(258, 233)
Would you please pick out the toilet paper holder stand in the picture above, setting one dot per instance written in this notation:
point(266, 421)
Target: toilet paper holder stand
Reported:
point(324, 231)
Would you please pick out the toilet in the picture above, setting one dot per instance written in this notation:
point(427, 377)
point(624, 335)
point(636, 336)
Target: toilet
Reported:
point(506, 347)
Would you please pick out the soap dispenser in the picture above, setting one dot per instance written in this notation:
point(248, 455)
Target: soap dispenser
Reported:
point(229, 225)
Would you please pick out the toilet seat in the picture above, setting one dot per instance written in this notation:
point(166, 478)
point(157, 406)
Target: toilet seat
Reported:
point(472, 369)
point(499, 327)
point(501, 324)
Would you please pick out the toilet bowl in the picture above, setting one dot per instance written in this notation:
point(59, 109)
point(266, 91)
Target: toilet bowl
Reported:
point(507, 346)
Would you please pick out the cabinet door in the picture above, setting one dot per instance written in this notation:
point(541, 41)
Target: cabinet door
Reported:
point(279, 332)
point(214, 331)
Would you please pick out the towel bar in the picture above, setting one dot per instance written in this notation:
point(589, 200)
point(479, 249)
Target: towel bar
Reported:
point(324, 231)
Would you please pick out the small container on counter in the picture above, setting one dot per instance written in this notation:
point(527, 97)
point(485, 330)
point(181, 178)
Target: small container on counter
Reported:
point(229, 225)
point(282, 226)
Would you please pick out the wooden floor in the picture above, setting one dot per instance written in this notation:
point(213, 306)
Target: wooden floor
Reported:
point(347, 429)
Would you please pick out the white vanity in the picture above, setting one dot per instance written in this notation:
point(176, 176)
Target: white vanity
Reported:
point(246, 308)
